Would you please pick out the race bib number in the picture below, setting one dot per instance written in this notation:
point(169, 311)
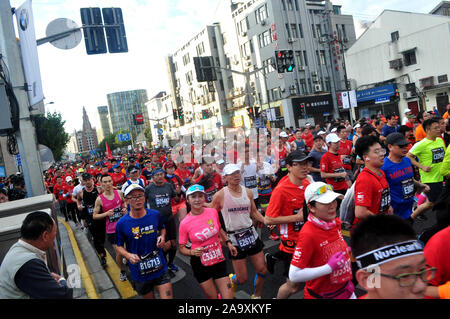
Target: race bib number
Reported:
point(250, 182)
point(245, 239)
point(438, 155)
point(283, 162)
point(150, 264)
point(339, 170)
point(385, 200)
point(408, 188)
point(212, 254)
point(209, 196)
point(116, 216)
point(162, 201)
point(90, 209)
point(347, 160)
point(264, 182)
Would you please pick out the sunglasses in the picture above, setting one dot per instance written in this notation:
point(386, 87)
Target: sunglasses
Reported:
point(323, 189)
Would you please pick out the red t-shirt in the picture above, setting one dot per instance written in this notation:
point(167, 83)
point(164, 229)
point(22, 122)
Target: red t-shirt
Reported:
point(118, 179)
point(68, 190)
point(314, 248)
point(345, 148)
point(59, 191)
point(309, 140)
point(331, 163)
point(183, 174)
point(286, 200)
point(372, 191)
point(215, 186)
point(437, 254)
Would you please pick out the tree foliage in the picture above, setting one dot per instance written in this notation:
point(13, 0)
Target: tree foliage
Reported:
point(51, 133)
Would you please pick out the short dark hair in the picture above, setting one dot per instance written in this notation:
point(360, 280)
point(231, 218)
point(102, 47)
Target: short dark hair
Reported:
point(104, 175)
point(403, 129)
point(317, 137)
point(379, 231)
point(390, 116)
point(35, 224)
point(363, 144)
point(427, 124)
point(340, 128)
point(367, 130)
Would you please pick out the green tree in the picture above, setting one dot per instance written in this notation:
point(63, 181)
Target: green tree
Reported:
point(51, 133)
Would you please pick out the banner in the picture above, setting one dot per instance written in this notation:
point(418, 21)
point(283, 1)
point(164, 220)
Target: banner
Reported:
point(28, 48)
point(108, 151)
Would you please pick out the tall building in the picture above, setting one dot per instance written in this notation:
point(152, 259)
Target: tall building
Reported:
point(104, 120)
point(87, 137)
point(125, 110)
point(244, 41)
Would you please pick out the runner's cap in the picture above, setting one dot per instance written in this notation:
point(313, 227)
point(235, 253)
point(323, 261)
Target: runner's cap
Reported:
point(332, 138)
point(68, 179)
point(194, 189)
point(230, 169)
point(283, 134)
point(321, 192)
point(133, 187)
point(297, 156)
point(396, 139)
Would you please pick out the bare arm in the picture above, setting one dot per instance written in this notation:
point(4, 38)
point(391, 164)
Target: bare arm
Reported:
point(362, 212)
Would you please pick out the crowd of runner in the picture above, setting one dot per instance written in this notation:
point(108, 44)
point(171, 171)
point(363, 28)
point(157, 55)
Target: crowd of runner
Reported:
point(374, 179)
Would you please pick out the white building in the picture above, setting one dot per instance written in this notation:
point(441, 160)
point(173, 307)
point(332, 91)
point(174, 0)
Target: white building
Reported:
point(401, 61)
point(161, 117)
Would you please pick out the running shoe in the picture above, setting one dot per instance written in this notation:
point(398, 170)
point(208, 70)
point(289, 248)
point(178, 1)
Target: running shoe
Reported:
point(233, 284)
point(173, 267)
point(270, 262)
point(123, 276)
point(254, 297)
point(274, 236)
point(103, 261)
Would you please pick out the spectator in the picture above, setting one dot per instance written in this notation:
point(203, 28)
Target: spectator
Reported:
point(18, 190)
point(3, 195)
point(24, 273)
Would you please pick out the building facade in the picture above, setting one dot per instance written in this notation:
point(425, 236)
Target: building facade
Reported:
point(128, 111)
point(399, 62)
point(104, 120)
point(87, 137)
point(243, 45)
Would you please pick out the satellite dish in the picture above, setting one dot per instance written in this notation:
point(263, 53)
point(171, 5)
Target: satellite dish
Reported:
point(71, 40)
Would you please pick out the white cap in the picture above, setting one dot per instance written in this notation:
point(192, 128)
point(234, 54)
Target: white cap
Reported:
point(334, 130)
point(283, 134)
point(133, 187)
point(357, 125)
point(321, 192)
point(332, 138)
point(221, 161)
point(230, 169)
point(68, 178)
point(321, 133)
point(407, 111)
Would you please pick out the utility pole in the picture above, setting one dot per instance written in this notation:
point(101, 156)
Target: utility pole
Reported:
point(26, 135)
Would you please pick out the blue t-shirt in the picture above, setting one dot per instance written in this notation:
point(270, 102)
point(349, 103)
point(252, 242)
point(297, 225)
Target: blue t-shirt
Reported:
point(386, 130)
point(400, 177)
point(140, 236)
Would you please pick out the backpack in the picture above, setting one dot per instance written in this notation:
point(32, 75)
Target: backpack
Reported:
point(347, 208)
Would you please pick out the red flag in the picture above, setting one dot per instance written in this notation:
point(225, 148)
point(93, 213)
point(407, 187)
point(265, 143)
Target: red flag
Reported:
point(108, 151)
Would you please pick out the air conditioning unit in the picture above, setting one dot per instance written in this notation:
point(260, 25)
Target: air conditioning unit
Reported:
point(249, 63)
point(247, 57)
point(301, 68)
point(263, 22)
point(395, 64)
point(243, 34)
point(291, 40)
point(317, 88)
point(407, 95)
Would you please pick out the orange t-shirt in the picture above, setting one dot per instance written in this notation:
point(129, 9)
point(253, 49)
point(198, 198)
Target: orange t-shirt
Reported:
point(420, 133)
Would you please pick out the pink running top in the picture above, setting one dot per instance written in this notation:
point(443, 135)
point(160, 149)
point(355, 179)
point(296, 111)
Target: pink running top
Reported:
point(116, 205)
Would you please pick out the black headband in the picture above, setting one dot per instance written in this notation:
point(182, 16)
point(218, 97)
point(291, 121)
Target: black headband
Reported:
point(388, 253)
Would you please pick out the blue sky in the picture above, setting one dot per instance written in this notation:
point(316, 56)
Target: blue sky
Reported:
point(72, 79)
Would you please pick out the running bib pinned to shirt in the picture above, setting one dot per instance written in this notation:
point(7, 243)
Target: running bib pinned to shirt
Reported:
point(408, 188)
point(245, 239)
point(212, 254)
point(250, 182)
point(116, 216)
point(438, 155)
point(385, 200)
point(90, 209)
point(150, 263)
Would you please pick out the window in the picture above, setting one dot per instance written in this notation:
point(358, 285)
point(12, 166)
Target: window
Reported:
point(265, 39)
point(283, 3)
point(319, 30)
point(301, 30)
point(290, 5)
point(294, 30)
point(268, 67)
point(313, 30)
point(442, 78)
point(186, 59)
point(322, 57)
point(305, 58)
point(200, 49)
point(261, 13)
point(242, 26)
point(189, 77)
point(394, 36)
point(303, 86)
point(409, 57)
point(327, 84)
point(246, 48)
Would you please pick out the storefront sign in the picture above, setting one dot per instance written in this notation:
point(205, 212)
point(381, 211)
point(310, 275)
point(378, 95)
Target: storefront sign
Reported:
point(379, 92)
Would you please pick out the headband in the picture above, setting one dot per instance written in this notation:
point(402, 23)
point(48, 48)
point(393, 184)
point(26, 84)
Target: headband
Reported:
point(159, 170)
point(388, 253)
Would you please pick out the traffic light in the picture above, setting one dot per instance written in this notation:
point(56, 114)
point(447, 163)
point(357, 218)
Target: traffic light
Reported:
point(302, 110)
point(206, 114)
point(175, 114)
point(284, 60)
point(204, 69)
point(250, 113)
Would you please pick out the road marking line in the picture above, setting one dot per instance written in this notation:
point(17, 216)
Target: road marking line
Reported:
point(124, 287)
point(85, 277)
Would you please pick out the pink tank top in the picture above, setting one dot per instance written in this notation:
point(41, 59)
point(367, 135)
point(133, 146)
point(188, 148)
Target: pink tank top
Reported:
point(116, 205)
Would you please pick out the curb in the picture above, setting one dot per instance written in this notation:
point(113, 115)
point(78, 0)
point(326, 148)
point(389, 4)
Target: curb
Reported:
point(85, 277)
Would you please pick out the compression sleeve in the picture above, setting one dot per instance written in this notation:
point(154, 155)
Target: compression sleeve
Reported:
point(302, 275)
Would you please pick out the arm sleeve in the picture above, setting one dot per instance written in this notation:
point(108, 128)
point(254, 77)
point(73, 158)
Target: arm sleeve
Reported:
point(34, 279)
point(302, 275)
